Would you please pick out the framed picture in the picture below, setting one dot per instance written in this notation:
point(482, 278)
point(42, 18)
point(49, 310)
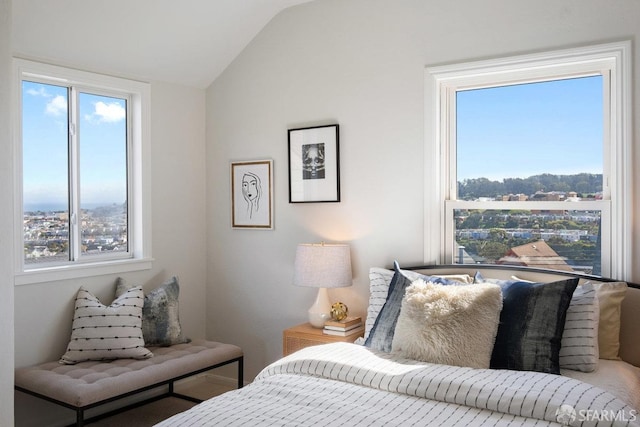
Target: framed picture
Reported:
point(252, 194)
point(314, 164)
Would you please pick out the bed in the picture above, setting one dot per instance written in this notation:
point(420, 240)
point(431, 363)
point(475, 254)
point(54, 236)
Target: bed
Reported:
point(424, 359)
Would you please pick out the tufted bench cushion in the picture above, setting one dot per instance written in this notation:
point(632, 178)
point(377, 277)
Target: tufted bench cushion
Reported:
point(88, 383)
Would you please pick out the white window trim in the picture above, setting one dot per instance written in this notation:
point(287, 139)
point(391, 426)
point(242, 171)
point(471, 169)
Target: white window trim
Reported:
point(139, 179)
point(440, 81)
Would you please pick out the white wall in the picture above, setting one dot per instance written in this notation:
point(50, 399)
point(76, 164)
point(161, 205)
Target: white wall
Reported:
point(6, 221)
point(44, 311)
point(359, 63)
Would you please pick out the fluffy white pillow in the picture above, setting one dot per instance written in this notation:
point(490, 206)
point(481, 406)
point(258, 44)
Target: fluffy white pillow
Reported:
point(448, 324)
point(103, 333)
point(379, 280)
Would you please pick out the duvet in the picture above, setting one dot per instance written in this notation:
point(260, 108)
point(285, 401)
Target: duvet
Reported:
point(345, 384)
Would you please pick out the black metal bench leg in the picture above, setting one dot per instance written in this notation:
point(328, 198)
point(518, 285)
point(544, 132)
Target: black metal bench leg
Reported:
point(241, 372)
point(79, 417)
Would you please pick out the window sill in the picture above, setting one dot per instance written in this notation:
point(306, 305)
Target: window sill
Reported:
point(66, 272)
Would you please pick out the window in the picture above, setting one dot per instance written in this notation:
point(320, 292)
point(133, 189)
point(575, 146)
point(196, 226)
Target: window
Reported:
point(532, 161)
point(80, 200)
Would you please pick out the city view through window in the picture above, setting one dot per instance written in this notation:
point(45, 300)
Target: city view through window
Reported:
point(74, 146)
point(534, 143)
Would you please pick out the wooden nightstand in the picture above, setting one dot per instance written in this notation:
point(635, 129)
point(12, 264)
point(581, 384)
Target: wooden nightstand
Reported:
point(305, 335)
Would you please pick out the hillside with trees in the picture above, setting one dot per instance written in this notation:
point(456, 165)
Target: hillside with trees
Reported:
point(585, 184)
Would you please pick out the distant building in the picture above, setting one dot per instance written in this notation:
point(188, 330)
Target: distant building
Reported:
point(515, 198)
point(537, 254)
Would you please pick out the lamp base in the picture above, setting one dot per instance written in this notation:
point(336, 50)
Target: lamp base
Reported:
point(320, 311)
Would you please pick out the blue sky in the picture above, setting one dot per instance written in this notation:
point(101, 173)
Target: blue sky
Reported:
point(529, 129)
point(102, 130)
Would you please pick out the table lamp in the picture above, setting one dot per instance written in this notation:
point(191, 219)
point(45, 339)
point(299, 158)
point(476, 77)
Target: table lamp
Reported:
point(322, 266)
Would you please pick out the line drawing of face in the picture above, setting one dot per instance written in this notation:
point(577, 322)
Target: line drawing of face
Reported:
point(313, 161)
point(251, 191)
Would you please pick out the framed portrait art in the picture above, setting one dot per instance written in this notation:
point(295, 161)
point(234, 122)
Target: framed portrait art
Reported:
point(314, 164)
point(252, 194)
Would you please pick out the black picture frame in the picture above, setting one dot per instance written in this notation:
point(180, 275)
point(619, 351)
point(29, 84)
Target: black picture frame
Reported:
point(314, 164)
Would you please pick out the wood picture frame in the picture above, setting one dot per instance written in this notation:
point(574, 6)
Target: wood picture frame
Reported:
point(252, 194)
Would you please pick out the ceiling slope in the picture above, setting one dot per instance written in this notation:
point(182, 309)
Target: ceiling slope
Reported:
point(188, 42)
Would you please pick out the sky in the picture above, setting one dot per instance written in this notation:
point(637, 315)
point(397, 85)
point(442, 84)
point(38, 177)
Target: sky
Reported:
point(102, 147)
point(523, 130)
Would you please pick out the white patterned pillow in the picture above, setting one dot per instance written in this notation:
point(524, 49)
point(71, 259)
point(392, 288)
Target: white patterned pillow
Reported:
point(579, 348)
point(379, 280)
point(103, 333)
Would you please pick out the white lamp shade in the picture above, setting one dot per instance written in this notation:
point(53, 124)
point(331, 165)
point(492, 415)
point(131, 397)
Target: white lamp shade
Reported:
point(323, 266)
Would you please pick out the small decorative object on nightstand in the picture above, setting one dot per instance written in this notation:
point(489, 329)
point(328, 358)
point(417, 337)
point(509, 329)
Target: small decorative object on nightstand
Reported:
point(305, 335)
point(322, 266)
point(339, 311)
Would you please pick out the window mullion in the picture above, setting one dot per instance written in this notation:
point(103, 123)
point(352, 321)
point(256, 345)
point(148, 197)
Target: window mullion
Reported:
point(74, 178)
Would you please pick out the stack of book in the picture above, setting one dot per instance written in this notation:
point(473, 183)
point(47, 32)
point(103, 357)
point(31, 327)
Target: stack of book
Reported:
point(345, 327)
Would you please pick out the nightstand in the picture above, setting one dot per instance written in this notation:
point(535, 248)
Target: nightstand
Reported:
point(305, 335)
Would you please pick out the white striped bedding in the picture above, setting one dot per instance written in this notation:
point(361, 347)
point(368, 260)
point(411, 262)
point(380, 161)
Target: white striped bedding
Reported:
point(351, 385)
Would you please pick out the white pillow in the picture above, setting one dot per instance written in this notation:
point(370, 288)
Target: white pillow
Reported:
point(379, 280)
point(579, 348)
point(448, 324)
point(103, 333)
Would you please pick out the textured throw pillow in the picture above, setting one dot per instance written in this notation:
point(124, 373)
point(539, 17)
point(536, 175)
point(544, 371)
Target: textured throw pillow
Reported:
point(160, 318)
point(610, 296)
point(579, 349)
point(103, 333)
point(381, 334)
point(449, 325)
point(531, 325)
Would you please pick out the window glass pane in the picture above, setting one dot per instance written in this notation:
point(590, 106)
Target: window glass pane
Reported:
point(561, 240)
point(103, 173)
point(45, 177)
point(536, 141)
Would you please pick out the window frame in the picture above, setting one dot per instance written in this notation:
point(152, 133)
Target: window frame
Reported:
point(137, 94)
point(612, 61)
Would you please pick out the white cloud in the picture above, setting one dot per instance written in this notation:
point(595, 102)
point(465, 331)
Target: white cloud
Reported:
point(40, 91)
point(57, 106)
point(107, 113)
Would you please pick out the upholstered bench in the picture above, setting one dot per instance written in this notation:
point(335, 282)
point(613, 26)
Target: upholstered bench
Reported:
point(90, 384)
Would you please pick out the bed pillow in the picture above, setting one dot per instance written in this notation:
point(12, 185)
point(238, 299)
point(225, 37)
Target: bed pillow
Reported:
point(381, 334)
point(531, 325)
point(449, 325)
point(160, 316)
point(104, 333)
point(610, 296)
point(379, 281)
point(579, 345)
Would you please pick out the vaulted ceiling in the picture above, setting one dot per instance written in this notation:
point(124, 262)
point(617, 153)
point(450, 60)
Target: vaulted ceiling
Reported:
point(188, 42)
